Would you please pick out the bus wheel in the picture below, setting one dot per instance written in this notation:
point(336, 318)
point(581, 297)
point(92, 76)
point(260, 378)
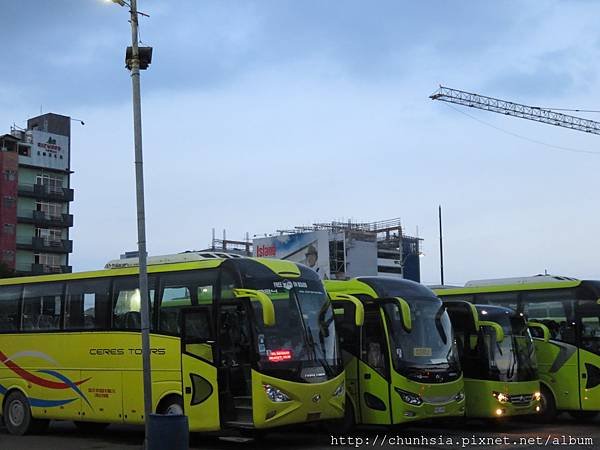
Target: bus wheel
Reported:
point(583, 416)
point(90, 427)
point(171, 405)
point(17, 414)
point(547, 406)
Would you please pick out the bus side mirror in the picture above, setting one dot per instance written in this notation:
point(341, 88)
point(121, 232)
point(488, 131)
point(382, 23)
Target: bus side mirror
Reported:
point(497, 328)
point(405, 310)
point(359, 315)
point(545, 330)
point(268, 310)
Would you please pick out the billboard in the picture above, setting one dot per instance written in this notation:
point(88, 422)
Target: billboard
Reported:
point(310, 249)
point(47, 150)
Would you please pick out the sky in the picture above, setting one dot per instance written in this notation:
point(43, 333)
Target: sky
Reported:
point(264, 115)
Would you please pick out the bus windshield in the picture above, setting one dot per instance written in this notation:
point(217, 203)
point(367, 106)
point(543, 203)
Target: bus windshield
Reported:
point(513, 359)
point(427, 353)
point(303, 340)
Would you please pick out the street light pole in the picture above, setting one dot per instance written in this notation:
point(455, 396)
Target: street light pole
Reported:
point(141, 218)
point(133, 63)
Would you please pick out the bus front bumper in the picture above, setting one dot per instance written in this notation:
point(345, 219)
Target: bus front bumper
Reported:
point(306, 402)
point(489, 399)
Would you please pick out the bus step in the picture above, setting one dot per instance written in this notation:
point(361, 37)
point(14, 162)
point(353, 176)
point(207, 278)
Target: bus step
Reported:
point(242, 401)
point(243, 414)
point(239, 424)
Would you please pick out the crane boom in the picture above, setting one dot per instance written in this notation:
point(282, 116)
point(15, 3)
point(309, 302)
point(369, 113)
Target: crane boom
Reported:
point(537, 114)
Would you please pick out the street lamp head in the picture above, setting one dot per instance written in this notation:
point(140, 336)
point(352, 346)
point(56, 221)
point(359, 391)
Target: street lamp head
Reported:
point(118, 2)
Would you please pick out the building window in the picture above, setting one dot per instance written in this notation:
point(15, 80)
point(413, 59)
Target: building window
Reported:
point(53, 184)
point(50, 209)
point(8, 256)
point(9, 228)
point(10, 175)
point(50, 235)
point(9, 201)
point(24, 150)
point(51, 261)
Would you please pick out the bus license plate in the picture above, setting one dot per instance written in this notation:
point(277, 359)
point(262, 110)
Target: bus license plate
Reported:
point(439, 409)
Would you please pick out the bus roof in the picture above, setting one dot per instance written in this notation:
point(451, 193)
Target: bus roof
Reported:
point(510, 284)
point(379, 287)
point(536, 279)
point(170, 259)
point(161, 264)
point(207, 264)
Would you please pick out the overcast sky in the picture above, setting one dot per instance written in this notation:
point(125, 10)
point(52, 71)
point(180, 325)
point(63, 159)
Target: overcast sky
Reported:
point(262, 115)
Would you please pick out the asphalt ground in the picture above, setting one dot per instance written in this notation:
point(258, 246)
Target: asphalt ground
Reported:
point(564, 433)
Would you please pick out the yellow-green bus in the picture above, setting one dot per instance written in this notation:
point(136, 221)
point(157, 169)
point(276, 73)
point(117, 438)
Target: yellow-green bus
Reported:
point(566, 334)
point(398, 349)
point(497, 356)
point(238, 343)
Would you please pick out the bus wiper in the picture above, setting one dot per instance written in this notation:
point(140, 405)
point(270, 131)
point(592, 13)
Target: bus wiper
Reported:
point(313, 345)
point(511, 370)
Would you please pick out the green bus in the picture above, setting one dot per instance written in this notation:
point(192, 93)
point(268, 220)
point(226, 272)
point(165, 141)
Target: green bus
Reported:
point(566, 313)
point(398, 350)
point(497, 356)
point(236, 343)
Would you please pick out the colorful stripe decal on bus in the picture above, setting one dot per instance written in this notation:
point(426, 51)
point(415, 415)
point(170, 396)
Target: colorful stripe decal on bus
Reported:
point(41, 403)
point(65, 382)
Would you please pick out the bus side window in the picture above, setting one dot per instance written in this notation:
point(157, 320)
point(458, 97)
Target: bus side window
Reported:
point(553, 309)
point(181, 290)
point(175, 295)
point(127, 302)
point(10, 298)
point(506, 299)
point(42, 306)
point(588, 315)
point(88, 304)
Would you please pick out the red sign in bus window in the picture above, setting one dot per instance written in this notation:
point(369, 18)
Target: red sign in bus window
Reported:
point(280, 355)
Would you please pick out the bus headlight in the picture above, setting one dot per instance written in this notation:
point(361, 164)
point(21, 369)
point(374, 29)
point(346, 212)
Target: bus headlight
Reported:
point(340, 390)
point(410, 398)
point(537, 396)
point(276, 395)
point(460, 396)
point(502, 398)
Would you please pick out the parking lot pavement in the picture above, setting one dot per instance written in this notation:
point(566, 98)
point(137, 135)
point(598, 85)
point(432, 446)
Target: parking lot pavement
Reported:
point(515, 434)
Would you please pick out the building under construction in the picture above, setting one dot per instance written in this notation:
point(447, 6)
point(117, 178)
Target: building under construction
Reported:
point(339, 250)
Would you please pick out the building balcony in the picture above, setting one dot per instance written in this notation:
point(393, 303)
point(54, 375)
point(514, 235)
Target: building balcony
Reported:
point(46, 192)
point(44, 219)
point(41, 269)
point(46, 269)
point(46, 245)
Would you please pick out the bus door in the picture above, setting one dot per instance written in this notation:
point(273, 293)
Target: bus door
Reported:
point(465, 323)
point(374, 369)
point(588, 317)
point(349, 336)
point(235, 358)
point(198, 372)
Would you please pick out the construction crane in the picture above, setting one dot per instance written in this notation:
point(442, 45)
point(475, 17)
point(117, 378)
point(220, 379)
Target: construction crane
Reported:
point(543, 115)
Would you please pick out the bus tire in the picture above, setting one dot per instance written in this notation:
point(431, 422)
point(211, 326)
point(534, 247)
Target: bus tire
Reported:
point(171, 405)
point(547, 406)
point(90, 427)
point(583, 416)
point(17, 414)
